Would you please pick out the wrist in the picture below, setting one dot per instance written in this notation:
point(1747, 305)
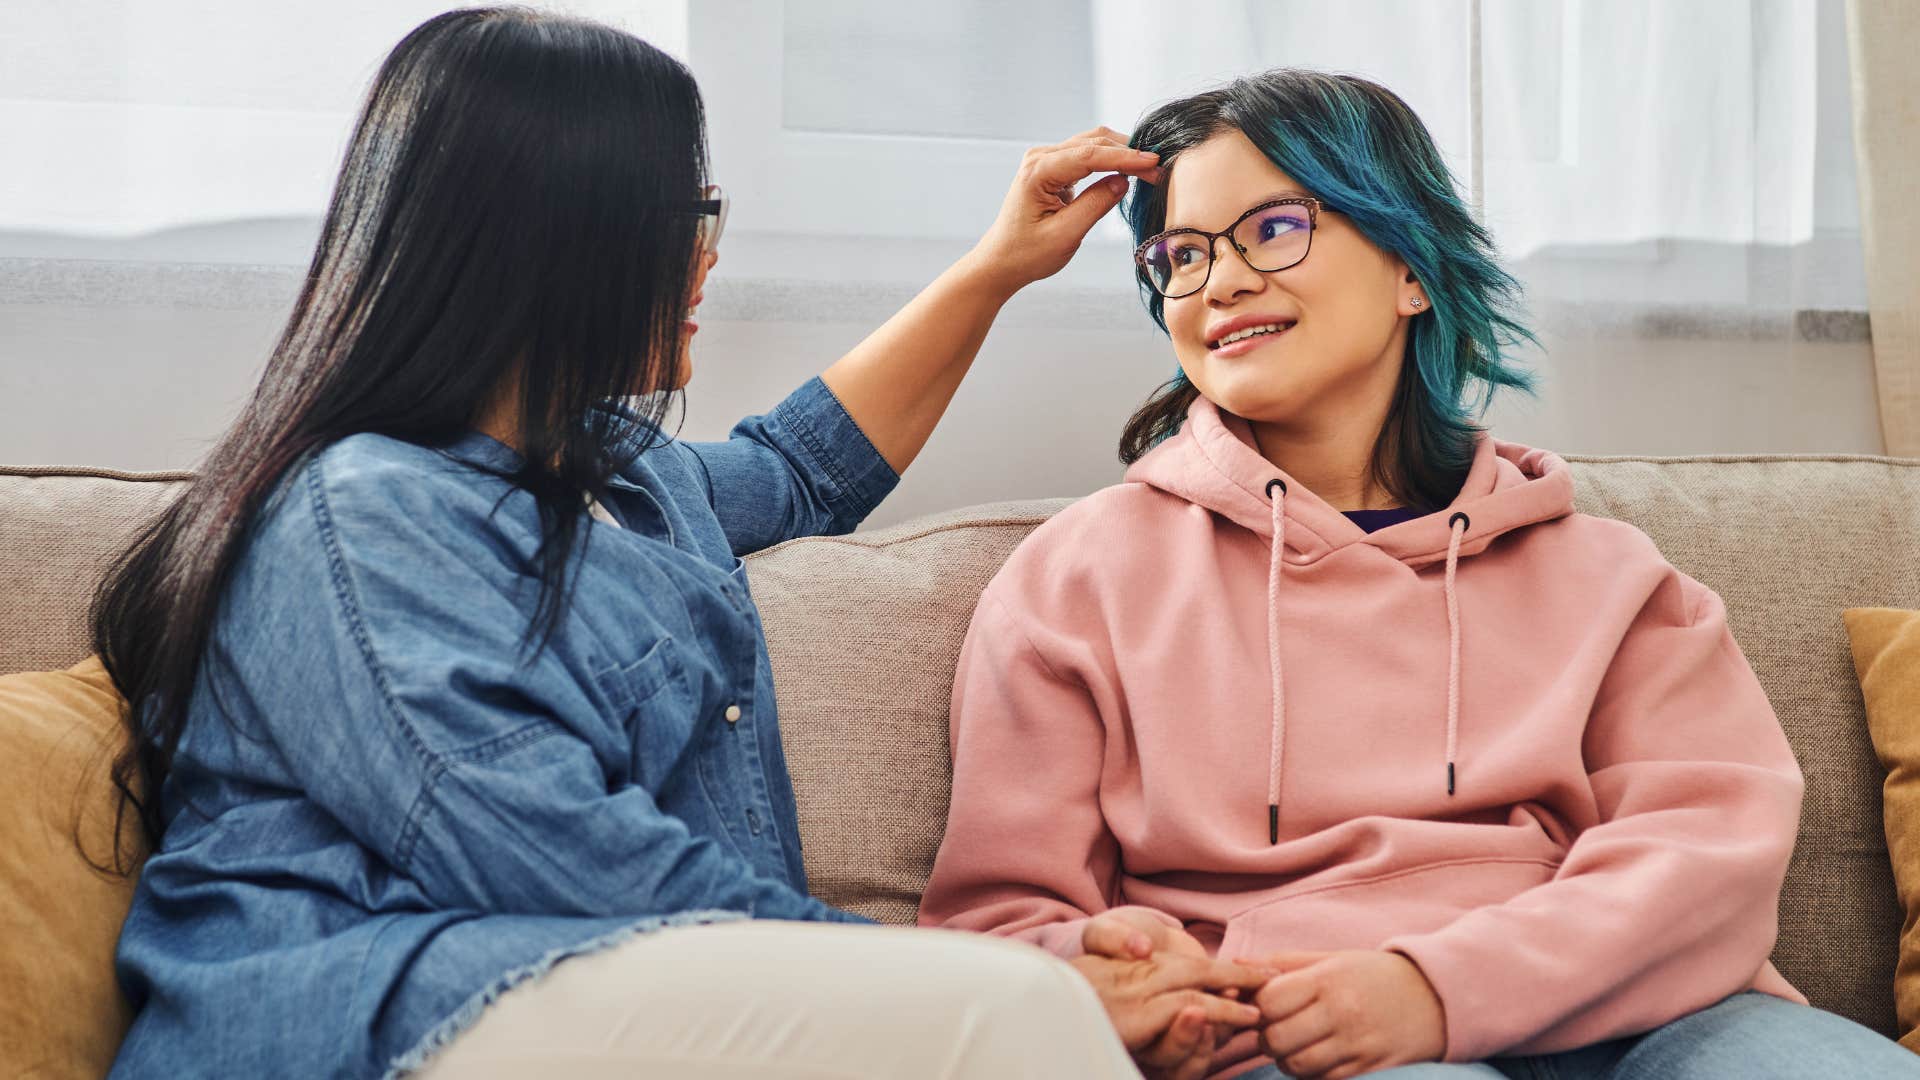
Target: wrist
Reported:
point(987, 276)
point(1436, 1048)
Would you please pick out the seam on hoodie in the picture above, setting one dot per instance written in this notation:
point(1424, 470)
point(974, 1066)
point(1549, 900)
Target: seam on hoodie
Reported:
point(1700, 594)
point(1028, 638)
point(1376, 879)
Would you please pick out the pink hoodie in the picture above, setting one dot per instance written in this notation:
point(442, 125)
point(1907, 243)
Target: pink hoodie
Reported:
point(1506, 740)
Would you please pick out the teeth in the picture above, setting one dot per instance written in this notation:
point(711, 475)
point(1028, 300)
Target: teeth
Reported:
point(1251, 331)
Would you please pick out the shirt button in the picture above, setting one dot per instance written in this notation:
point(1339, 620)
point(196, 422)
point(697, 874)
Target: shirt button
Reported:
point(733, 714)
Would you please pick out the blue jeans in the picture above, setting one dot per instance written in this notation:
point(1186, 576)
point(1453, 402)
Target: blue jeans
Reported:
point(1749, 1036)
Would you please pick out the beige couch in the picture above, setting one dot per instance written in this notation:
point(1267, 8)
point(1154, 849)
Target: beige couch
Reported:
point(864, 631)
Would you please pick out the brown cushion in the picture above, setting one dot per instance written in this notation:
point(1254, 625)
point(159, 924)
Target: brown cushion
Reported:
point(59, 915)
point(865, 630)
point(1886, 653)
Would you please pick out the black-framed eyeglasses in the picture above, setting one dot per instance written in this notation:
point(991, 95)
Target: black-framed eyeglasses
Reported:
point(712, 208)
point(1273, 236)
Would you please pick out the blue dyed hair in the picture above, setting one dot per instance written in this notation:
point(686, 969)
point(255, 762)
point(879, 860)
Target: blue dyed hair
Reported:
point(1358, 148)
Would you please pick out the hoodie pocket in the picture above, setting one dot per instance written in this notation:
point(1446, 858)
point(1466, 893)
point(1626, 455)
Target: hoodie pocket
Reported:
point(1366, 913)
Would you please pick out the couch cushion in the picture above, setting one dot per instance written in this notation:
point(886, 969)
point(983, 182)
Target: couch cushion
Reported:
point(59, 529)
point(58, 733)
point(1886, 654)
point(865, 631)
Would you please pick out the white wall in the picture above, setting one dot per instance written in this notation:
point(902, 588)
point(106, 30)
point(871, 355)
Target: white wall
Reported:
point(131, 382)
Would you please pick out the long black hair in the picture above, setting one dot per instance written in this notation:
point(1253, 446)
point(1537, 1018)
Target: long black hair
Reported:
point(512, 220)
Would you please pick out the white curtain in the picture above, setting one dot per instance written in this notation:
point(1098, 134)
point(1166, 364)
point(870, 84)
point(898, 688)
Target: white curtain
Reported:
point(1637, 152)
point(1887, 119)
point(122, 117)
point(1605, 123)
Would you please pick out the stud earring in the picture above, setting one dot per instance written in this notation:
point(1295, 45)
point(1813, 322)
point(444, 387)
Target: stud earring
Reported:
point(1415, 303)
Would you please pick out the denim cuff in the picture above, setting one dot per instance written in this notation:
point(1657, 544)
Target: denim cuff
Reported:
point(836, 446)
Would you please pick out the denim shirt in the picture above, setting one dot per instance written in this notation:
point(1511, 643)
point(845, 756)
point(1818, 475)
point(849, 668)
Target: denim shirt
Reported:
point(384, 811)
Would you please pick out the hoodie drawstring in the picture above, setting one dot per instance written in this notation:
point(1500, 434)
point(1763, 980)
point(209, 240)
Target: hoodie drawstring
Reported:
point(1278, 736)
point(1457, 527)
point(1454, 536)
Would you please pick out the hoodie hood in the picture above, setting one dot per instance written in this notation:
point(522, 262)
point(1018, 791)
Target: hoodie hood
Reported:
point(1212, 463)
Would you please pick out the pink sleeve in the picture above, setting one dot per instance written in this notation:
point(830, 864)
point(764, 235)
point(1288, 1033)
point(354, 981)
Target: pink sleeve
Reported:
point(1027, 853)
point(1670, 903)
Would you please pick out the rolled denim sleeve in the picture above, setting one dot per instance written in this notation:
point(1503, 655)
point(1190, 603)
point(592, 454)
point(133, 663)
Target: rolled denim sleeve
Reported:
point(804, 469)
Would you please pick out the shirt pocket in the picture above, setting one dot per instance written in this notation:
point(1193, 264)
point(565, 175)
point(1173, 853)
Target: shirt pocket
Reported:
point(656, 708)
point(656, 672)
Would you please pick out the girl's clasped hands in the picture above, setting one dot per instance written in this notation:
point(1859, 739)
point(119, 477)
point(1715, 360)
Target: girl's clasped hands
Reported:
point(1319, 1015)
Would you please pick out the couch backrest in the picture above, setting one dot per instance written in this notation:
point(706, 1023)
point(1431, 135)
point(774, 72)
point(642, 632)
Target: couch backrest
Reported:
point(59, 530)
point(864, 631)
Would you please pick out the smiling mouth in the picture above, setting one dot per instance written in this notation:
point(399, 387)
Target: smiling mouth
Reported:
point(1271, 329)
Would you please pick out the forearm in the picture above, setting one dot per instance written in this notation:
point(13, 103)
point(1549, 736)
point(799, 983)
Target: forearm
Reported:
point(897, 383)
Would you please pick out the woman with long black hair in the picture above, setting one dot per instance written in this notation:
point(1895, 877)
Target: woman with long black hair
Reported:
point(452, 722)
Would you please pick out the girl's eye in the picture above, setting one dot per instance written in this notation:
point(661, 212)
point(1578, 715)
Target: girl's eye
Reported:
point(1278, 224)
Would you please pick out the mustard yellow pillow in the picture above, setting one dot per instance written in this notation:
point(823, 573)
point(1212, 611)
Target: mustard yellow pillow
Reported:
point(1886, 656)
point(61, 1013)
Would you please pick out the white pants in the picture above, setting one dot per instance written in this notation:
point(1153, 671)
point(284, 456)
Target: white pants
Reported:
point(762, 999)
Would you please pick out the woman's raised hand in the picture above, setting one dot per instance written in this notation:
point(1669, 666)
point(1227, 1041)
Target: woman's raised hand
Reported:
point(1042, 221)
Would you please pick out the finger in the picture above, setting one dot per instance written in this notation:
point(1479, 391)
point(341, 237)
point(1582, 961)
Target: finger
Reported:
point(1102, 133)
point(1316, 1061)
point(1092, 140)
point(1178, 972)
point(1179, 1042)
point(1286, 961)
point(1114, 938)
point(1285, 995)
point(1096, 137)
point(1092, 204)
point(1068, 165)
point(1199, 1065)
point(1159, 1010)
point(1113, 143)
point(1308, 1027)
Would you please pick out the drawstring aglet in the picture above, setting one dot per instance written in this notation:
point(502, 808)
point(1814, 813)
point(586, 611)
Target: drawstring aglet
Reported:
point(1273, 823)
point(1449, 777)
